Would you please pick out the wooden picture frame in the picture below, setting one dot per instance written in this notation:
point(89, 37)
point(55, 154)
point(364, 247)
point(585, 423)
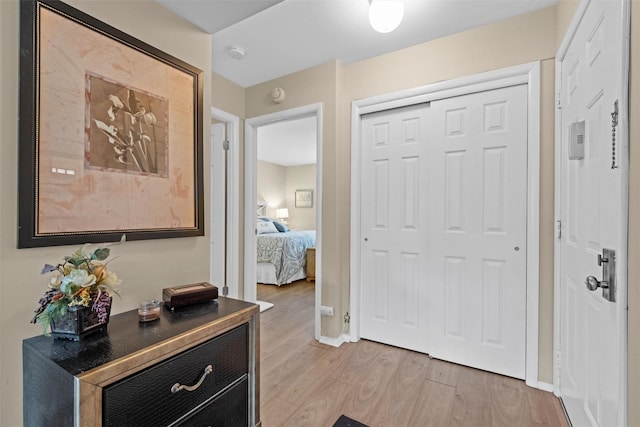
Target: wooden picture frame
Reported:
point(110, 133)
point(304, 198)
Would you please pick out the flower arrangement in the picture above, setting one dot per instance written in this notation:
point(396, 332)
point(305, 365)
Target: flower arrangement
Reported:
point(82, 279)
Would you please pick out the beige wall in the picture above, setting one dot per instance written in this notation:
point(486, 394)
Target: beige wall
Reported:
point(272, 182)
point(144, 266)
point(514, 41)
point(301, 178)
point(565, 11)
point(227, 96)
point(277, 185)
point(547, 219)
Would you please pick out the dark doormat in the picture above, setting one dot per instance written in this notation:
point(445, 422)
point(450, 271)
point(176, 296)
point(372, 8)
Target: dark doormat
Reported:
point(345, 421)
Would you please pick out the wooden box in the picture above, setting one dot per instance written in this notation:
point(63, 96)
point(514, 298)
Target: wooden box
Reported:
point(194, 293)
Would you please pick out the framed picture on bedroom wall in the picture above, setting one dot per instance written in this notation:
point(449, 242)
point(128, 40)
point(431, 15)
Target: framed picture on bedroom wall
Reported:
point(110, 133)
point(304, 198)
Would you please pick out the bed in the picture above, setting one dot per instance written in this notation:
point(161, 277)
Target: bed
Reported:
point(282, 256)
point(281, 253)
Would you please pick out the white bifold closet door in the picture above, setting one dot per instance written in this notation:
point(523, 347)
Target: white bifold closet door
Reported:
point(394, 223)
point(444, 229)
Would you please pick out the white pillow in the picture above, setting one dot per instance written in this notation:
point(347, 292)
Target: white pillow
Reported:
point(264, 227)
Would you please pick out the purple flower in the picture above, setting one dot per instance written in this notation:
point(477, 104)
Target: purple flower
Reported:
point(48, 268)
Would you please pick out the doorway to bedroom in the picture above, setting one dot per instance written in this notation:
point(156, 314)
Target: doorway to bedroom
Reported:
point(283, 205)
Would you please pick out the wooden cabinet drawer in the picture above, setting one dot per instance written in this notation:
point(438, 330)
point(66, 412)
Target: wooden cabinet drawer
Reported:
point(227, 410)
point(145, 399)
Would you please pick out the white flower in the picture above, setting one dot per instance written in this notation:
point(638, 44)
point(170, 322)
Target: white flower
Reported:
point(55, 281)
point(110, 280)
point(79, 277)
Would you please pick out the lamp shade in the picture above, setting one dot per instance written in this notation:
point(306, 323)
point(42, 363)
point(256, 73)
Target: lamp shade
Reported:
point(282, 213)
point(385, 15)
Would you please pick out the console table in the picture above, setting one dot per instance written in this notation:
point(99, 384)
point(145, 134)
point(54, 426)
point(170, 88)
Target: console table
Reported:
point(195, 366)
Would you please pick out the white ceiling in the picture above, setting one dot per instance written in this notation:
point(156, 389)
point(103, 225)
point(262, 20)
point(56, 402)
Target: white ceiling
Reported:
point(215, 15)
point(281, 37)
point(288, 143)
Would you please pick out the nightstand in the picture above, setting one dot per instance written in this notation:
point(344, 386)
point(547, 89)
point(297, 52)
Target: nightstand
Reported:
point(311, 264)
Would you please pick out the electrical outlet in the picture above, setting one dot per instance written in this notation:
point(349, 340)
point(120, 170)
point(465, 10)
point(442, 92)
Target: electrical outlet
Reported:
point(326, 311)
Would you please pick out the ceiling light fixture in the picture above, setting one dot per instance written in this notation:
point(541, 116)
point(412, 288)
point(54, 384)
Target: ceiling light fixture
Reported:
point(385, 15)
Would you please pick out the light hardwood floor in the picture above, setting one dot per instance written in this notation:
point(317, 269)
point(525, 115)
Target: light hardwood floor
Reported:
point(305, 383)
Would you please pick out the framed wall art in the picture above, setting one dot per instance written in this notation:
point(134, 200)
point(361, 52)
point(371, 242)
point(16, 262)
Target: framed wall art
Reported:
point(304, 198)
point(110, 133)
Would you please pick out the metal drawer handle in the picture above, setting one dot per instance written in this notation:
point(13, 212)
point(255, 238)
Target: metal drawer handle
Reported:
point(177, 387)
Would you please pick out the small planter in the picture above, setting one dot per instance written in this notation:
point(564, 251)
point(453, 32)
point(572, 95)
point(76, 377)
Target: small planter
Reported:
point(79, 322)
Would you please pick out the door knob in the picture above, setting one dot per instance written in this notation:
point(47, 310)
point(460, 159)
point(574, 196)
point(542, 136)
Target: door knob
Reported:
point(592, 283)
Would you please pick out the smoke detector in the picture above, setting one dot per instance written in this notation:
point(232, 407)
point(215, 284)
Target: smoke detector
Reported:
point(236, 52)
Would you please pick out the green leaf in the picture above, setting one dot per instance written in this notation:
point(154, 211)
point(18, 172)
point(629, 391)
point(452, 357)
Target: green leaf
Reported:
point(62, 310)
point(75, 261)
point(65, 287)
point(101, 254)
point(44, 320)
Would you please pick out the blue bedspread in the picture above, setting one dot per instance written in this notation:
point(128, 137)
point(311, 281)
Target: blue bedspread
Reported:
point(286, 251)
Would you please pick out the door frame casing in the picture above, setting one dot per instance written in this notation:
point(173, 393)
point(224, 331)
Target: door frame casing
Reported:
point(232, 124)
point(250, 198)
point(622, 136)
point(528, 74)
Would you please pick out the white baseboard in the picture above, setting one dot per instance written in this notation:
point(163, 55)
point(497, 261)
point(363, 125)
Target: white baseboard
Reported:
point(545, 386)
point(334, 342)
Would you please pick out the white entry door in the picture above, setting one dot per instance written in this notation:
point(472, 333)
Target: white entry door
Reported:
point(443, 222)
point(592, 329)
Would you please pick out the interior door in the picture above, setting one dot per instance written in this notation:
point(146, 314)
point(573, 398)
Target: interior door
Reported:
point(478, 223)
point(217, 225)
point(592, 368)
point(394, 227)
